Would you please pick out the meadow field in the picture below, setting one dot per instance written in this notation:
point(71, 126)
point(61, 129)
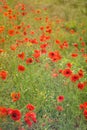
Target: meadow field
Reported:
point(43, 65)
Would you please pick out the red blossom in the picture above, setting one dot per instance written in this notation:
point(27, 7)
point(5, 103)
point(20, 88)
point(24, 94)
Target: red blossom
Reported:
point(85, 113)
point(30, 117)
point(59, 108)
point(81, 73)
point(60, 98)
point(21, 68)
point(3, 111)
point(3, 74)
point(29, 60)
point(69, 65)
point(11, 32)
point(15, 115)
point(67, 72)
point(74, 55)
point(55, 56)
point(21, 55)
point(74, 77)
point(81, 86)
point(37, 54)
point(30, 107)
point(15, 96)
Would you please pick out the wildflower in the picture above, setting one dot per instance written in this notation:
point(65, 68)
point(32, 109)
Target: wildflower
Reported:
point(13, 47)
point(65, 44)
point(30, 107)
point(9, 110)
point(55, 56)
point(85, 105)
point(74, 77)
point(81, 106)
point(60, 98)
point(75, 45)
point(3, 112)
point(43, 46)
point(58, 41)
point(2, 29)
point(81, 73)
point(54, 75)
point(15, 96)
point(3, 74)
point(51, 54)
point(85, 113)
point(21, 68)
point(15, 115)
point(83, 44)
point(29, 61)
point(21, 55)
point(81, 86)
point(69, 65)
point(36, 54)
point(43, 51)
point(67, 72)
point(59, 108)
point(11, 32)
point(74, 55)
point(1, 51)
point(30, 117)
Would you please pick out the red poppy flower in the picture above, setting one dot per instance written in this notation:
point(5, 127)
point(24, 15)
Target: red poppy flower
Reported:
point(69, 65)
point(3, 112)
point(85, 113)
point(16, 115)
point(60, 98)
point(51, 54)
point(85, 105)
point(41, 28)
point(74, 55)
point(75, 45)
point(11, 32)
point(30, 107)
point(21, 55)
point(21, 68)
point(58, 41)
point(55, 75)
point(34, 41)
point(81, 73)
point(43, 46)
point(37, 54)
point(43, 51)
point(55, 56)
point(81, 85)
point(30, 117)
point(15, 96)
point(81, 106)
point(1, 51)
point(83, 43)
point(3, 74)
point(9, 111)
point(60, 71)
point(65, 44)
point(29, 61)
point(67, 72)
point(59, 108)
point(74, 77)
point(13, 47)
point(2, 29)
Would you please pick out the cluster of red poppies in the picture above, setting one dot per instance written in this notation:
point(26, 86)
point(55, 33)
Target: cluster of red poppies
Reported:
point(16, 115)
